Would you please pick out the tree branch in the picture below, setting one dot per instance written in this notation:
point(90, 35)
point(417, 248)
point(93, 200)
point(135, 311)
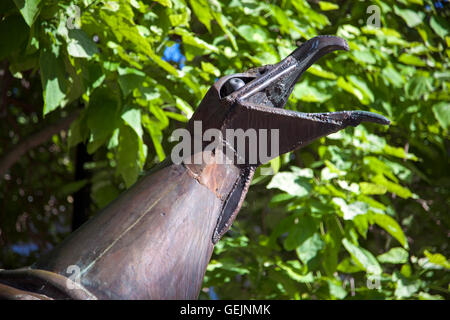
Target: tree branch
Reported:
point(33, 141)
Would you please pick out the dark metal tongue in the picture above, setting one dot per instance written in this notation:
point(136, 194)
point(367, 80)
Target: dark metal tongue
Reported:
point(366, 116)
point(354, 118)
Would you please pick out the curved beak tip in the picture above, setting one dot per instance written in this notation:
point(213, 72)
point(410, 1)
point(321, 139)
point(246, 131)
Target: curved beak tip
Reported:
point(316, 47)
point(333, 42)
point(365, 116)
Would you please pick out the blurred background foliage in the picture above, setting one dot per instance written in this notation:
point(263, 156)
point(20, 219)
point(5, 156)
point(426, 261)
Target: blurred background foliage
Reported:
point(362, 214)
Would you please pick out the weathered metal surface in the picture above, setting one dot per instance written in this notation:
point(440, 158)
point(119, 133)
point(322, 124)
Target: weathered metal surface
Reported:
point(156, 239)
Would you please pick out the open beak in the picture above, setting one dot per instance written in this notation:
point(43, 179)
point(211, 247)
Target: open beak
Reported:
point(273, 84)
point(259, 101)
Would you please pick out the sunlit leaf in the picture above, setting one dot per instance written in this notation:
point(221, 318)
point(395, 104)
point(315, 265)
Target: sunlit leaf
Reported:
point(362, 257)
point(291, 183)
point(29, 9)
point(80, 45)
point(411, 60)
point(394, 256)
point(392, 227)
point(438, 259)
point(325, 6)
point(412, 18)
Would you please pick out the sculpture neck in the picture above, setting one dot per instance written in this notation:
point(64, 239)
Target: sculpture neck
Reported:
point(155, 240)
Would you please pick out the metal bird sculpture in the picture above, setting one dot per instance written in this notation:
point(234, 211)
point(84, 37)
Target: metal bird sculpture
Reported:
point(155, 241)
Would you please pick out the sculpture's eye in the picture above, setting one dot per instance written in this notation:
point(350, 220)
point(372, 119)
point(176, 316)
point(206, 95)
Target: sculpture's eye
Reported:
point(233, 85)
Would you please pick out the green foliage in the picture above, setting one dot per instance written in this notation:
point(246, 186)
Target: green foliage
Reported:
point(367, 204)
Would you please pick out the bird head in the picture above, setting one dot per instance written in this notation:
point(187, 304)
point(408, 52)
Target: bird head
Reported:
point(255, 100)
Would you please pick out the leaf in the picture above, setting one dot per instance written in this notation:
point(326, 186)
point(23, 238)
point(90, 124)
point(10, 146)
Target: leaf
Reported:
point(291, 183)
point(130, 79)
point(348, 266)
point(305, 92)
point(294, 271)
point(336, 290)
point(184, 106)
point(229, 265)
point(166, 3)
point(156, 136)
point(405, 288)
point(224, 23)
point(160, 115)
point(29, 9)
point(318, 71)
point(364, 56)
point(399, 153)
point(347, 86)
point(362, 257)
point(130, 155)
point(328, 174)
point(363, 88)
point(286, 24)
point(252, 33)
point(303, 172)
point(310, 247)
point(103, 193)
point(80, 45)
point(418, 86)
point(437, 259)
point(427, 296)
point(190, 38)
point(132, 117)
point(181, 19)
point(411, 60)
point(394, 77)
point(93, 75)
point(303, 228)
point(391, 226)
point(72, 187)
point(210, 68)
point(203, 12)
point(275, 164)
point(412, 18)
point(326, 6)
point(362, 224)
point(102, 117)
point(439, 25)
point(393, 187)
point(441, 111)
point(352, 210)
point(176, 116)
point(78, 131)
point(371, 188)
point(114, 140)
point(53, 79)
point(395, 256)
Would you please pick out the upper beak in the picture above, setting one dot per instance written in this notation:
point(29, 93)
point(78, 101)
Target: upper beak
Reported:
point(273, 84)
